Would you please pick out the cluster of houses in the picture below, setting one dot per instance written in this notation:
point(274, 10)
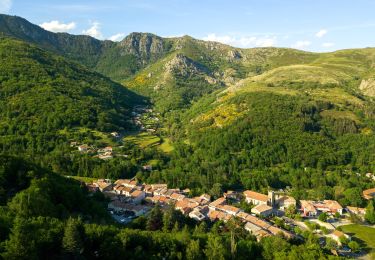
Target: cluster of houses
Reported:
point(312, 208)
point(129, 195)
point(138, 115)
point(102, 153)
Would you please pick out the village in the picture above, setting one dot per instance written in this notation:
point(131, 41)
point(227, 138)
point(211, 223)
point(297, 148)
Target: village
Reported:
point(143, 118)
point(130, 199)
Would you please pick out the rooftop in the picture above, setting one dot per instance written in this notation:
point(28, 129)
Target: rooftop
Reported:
point(255, 195)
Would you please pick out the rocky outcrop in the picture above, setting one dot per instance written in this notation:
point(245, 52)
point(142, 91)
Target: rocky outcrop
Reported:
point(367, 87)
point(143, 45)
point(184, 66)
point(234, 55)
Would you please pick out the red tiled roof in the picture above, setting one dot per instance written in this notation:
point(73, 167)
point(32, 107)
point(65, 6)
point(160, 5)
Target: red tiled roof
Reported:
point(255, 195)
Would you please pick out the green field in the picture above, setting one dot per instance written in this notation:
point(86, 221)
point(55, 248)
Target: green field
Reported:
point(143, 139)
point(363, 234)
point(84, 179)
point(166, 146)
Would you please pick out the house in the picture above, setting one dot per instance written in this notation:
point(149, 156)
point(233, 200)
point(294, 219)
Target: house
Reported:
point(369, 194)
point(232, 195)
point(158, 199)
point(147, 167)
point(137, 196)
point(103, 185)
point(127, 183)
point(197, 213)
point(284, 201)
point(186, 205)
point(105, 156)
point(220, 201)
point(311, 208)
point(83, 148)
point(252, 228)
point(257, 231)
point(333, 206)
point(159, 186)
point(356, 210)
point(370, 176)
point(214, 215)
point(228, 209)
point(255, 198)
point(122, 190)
point(262, 210)
point(308, 209)
point(115, 134)
point(275, 231)
point(337, 235)
point(160, 192)
point(91, 187)
point(148, 190)
point(203, 199)
point(177, 196)
point(127, 191)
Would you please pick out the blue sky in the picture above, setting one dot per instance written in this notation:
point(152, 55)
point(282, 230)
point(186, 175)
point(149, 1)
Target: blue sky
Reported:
point(314, 25)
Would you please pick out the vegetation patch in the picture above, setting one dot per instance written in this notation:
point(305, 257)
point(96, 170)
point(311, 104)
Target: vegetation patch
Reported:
point(364, 234)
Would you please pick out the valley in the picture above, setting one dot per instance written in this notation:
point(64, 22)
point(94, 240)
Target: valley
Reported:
point(199, 120)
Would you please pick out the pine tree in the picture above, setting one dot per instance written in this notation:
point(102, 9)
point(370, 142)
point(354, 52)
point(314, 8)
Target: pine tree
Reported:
point(72, 242)
point(155, 219)
point(193, 250)
point(370, 213)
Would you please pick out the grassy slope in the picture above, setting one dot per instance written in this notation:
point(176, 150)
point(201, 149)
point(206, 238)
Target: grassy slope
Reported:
point(363, 234)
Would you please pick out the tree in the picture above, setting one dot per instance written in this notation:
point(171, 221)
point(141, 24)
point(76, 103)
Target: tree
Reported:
point(354, 196)
point(370, 212)
point(171, 218)
point(72, 242)
point(330, 243)
point(155, 219)
point(200, 229)
point(272, 245)
point(354, 246)
point(323, 217)
point(290, 211)
point(215, 248)
point(216, 190)
point(193, 250)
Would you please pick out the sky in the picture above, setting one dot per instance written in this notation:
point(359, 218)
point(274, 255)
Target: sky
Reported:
point(312, 25)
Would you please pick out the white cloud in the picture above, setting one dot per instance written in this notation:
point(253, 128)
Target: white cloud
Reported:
point(242, 41)
point(5, 6)
point(56, 26)
point(94, 31)
point(328, 44)
point(117, 37)
point(321, 33)
point(301, 44)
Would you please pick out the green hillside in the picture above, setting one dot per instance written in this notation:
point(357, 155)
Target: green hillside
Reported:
point(41, 94)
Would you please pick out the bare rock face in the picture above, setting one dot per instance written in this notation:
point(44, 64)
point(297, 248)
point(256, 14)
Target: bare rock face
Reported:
point(143, 45)
point(184, 66)
point(367, 86)
point(234, 55)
